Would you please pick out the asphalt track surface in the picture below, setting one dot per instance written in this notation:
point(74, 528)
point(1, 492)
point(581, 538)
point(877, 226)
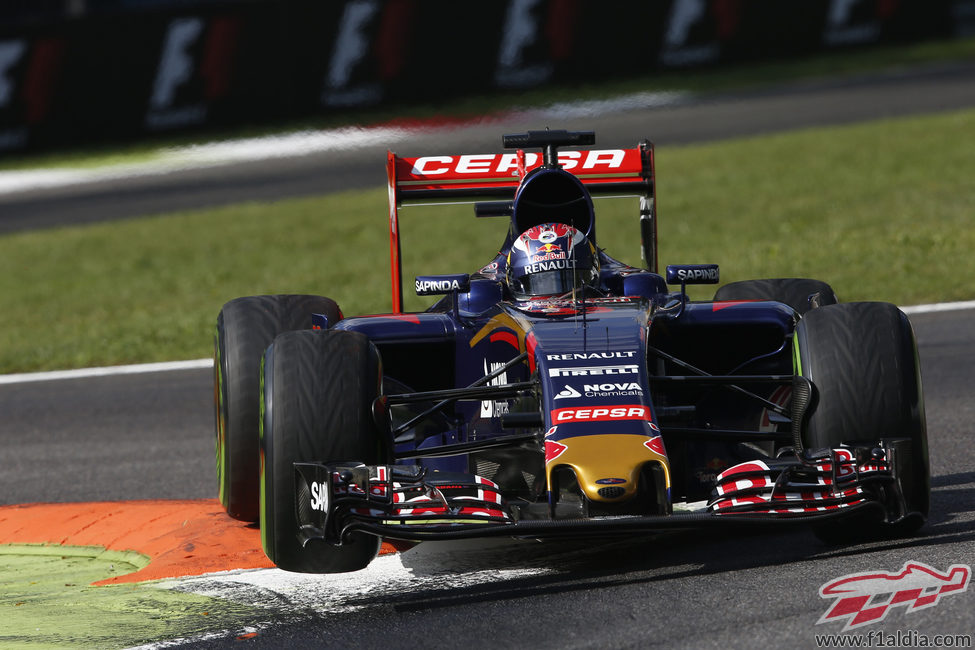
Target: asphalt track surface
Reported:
point(150, 437)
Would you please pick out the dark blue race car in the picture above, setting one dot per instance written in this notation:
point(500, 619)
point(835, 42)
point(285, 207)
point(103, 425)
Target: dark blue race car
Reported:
point(560, 392)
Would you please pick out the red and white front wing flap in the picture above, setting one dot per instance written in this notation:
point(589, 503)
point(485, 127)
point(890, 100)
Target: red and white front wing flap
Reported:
point(790, 488)
point(330, 496)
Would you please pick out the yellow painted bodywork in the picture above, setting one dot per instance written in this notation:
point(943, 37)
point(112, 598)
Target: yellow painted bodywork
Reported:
point(598, 457)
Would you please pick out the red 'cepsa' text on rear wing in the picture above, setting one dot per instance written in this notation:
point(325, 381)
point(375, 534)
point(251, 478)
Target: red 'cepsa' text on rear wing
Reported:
point(449, 179)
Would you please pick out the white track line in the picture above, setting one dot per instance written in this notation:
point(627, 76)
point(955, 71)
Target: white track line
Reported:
point(302, 143)
point(82, 373)
point(200, 156)
point(939, 307)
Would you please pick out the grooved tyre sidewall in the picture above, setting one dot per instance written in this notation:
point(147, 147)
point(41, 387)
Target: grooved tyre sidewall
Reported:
point(319, 388)
point(794, 292)
point(245, 327)
point(862, 360)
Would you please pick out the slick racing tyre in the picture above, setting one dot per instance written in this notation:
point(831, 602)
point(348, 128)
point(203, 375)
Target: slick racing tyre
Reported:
point(799, 293)
point(862, 361)
point(245, 327)
point(319, 390)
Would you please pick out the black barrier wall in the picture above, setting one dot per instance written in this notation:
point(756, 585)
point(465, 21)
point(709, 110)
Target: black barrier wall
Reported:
point(134, 68)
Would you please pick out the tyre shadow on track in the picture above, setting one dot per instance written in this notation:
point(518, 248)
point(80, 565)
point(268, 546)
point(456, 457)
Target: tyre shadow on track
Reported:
point(963, 478)
point(952, 497)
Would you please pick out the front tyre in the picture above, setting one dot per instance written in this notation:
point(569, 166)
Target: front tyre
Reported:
point(318, 394)
point(245, 327)
point(799, 293)
point(862, 361)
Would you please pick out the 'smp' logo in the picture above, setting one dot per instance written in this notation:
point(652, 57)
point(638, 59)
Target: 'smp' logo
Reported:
point(865, 598)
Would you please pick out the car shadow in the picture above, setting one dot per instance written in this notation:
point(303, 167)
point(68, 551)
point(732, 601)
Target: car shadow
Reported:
point(532, 568)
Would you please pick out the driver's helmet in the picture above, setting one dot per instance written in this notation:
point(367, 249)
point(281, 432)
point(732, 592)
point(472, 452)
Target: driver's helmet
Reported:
point(551, 259)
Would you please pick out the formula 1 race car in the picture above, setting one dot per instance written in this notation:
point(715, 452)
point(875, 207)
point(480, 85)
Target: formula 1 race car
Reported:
point(560, 392)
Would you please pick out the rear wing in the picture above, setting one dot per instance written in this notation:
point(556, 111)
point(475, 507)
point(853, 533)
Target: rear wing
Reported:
point(468, 178)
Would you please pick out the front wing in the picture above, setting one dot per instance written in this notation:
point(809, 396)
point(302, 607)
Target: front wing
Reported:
point(414, 504)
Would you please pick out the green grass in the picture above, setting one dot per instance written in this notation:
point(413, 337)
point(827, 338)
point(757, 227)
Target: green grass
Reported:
point(747, 75)
point(47, 601)
point(882, 211)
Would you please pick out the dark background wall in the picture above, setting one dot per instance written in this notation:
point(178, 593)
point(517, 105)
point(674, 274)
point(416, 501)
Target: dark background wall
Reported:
point(82, 71)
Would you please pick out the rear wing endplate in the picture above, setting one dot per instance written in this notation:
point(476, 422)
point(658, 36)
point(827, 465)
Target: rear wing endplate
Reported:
point(469, 178)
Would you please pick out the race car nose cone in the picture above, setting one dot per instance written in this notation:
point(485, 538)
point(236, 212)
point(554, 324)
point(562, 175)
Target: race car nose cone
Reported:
point(607, 466)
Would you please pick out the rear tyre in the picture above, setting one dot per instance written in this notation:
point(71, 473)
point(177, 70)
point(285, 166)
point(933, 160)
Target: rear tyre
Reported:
point(319, 390)
point(862, 361)
point(799, 293)
point(245, 327)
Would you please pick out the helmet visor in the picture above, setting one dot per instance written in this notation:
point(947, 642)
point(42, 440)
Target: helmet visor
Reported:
point(551, 283)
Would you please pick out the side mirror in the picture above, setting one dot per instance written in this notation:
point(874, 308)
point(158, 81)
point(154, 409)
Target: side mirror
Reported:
point(685, 274)
point(693, 274)
point(438, 285)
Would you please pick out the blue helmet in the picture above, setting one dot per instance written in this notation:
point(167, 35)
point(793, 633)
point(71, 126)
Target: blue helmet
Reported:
point(551, 259)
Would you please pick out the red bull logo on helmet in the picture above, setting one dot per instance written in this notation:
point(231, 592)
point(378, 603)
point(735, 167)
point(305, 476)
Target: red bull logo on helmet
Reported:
point(548, 252)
